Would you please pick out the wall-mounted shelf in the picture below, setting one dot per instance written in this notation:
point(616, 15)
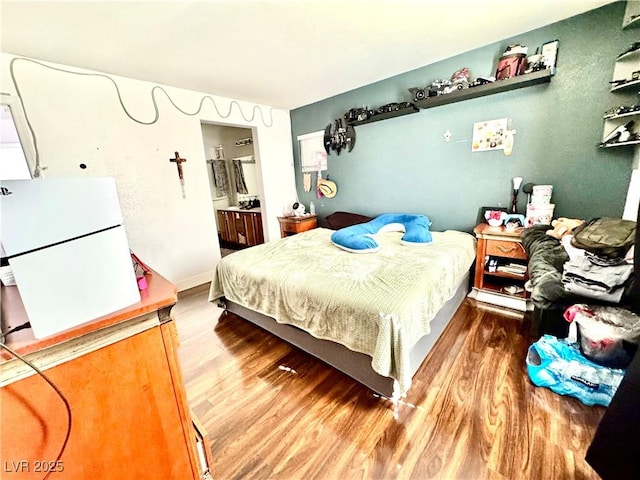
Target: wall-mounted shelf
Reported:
point(626, 67)
point(622, 115)
point(623, 86)
point(386, 115)
point(634, 22)
point(631, 15)
point(628, 55)
point(620, 144)
point(521, 81)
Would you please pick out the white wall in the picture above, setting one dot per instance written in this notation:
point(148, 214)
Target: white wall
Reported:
point(77, 118)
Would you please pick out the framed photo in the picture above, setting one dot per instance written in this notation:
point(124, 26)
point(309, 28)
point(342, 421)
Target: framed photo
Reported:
point(483, 210)
point(549, 52)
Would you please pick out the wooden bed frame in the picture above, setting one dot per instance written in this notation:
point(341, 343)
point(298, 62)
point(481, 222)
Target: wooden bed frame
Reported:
point(356, 365)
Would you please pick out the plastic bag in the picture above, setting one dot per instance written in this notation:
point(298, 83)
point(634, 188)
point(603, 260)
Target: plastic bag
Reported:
point(558, 365)
point(607, 335)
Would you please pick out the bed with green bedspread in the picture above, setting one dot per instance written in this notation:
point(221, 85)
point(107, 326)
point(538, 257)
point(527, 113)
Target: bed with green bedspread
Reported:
point(379, 304)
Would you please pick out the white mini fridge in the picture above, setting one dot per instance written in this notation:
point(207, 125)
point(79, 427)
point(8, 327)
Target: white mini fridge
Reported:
point(65, 242)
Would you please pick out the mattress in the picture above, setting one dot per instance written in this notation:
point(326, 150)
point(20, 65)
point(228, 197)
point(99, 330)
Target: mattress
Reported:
point(379, 304)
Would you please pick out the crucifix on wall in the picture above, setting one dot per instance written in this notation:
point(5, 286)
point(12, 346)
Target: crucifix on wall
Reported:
point(178, 161)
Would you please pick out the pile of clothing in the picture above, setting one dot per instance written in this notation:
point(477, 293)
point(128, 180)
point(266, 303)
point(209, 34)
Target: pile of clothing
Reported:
point(595, 269)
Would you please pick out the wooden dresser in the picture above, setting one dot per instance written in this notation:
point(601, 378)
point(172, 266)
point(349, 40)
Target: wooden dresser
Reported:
point(120, 375)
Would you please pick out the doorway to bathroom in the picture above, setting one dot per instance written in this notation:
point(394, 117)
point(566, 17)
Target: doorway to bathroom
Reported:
point(234, 181)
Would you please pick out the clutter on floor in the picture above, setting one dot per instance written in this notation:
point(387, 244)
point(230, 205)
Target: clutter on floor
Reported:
point(589, 364)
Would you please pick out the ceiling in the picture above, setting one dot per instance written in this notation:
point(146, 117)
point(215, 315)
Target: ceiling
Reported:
point(283, 53)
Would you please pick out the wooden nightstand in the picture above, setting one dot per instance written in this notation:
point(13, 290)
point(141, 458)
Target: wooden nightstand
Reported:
point(292, 225)
point(501, 268)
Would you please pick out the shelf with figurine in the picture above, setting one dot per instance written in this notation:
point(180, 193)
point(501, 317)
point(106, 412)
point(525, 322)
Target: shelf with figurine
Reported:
point(631, 15)
point(364, 115)
point(622, 111)
point(489, 88)
point(514, 70)
point(621, 135)
point(626, 70)
point(633, 22)
point(621, 144)
point(626, 83)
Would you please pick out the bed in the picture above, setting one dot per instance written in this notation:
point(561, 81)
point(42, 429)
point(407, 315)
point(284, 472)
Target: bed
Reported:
point(373, 316)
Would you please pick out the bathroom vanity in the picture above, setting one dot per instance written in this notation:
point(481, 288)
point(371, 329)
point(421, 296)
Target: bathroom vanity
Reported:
point(240, 227)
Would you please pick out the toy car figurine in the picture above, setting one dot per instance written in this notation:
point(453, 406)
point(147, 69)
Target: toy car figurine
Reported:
point(457, 84)
point(481, 81)
point(621, 110)
point(358, 115)
point(389, 107)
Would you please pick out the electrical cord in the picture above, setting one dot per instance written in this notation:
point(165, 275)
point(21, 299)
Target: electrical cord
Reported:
point(58, 392)
point(37, 172)
point(14, 329)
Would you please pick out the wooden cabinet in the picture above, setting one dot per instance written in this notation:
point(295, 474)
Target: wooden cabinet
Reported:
point(501, 268)
point(129, 416)
point(293, 225)
point(239, 227)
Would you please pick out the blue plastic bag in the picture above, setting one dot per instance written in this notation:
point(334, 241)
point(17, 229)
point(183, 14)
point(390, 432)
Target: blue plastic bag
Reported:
point(559, 365)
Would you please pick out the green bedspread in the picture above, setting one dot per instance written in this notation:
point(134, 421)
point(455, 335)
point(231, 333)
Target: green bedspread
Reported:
point(378, 303)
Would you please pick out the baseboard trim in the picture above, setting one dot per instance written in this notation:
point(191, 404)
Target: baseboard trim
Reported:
point(194, 281)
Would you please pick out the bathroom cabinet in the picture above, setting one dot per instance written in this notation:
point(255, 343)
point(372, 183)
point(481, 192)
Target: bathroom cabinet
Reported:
point(240, 227)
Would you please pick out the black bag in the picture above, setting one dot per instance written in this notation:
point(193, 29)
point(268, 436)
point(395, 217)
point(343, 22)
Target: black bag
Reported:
point(605, 237)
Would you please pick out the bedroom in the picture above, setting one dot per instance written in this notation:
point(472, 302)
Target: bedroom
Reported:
point(388, 168)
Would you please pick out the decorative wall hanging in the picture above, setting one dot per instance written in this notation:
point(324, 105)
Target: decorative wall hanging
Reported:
point(489, 135)
point(337, 137)
point(179, 161)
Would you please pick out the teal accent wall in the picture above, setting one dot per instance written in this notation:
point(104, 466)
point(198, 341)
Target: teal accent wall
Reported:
point(404, 164)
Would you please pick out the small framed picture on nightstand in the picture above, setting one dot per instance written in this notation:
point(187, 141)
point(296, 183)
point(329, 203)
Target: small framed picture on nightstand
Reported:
point(482, 218)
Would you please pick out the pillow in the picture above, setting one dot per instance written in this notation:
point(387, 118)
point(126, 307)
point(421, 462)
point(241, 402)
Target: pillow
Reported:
point(359, 238)
point(338, 220)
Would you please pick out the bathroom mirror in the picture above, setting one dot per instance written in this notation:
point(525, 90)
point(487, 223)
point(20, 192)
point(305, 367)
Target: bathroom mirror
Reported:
point(17, 155)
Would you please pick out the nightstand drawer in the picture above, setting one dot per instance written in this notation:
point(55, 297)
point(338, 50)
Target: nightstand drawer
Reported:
point(292, 227)
point(505, 248)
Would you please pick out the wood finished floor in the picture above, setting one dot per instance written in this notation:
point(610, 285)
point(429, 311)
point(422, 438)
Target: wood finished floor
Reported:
point(273, 412)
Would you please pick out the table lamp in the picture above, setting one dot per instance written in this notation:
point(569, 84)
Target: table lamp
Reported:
point(517, 181)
